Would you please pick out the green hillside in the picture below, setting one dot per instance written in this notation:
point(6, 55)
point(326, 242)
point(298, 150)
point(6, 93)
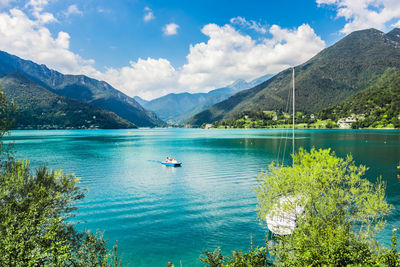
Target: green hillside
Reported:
point(377, 107)
point(349, 66)
point(81, 88)
point(39, 108)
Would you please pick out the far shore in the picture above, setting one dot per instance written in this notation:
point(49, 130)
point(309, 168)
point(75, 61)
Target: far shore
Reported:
point(218, 128)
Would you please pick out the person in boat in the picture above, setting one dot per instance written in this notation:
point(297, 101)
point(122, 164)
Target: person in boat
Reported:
point(174, 161)
point(168, 160)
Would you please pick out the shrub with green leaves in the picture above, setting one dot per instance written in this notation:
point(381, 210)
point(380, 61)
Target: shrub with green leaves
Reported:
point(34, 226)
point(255, 257)
point(34, 212)
point(343, 211)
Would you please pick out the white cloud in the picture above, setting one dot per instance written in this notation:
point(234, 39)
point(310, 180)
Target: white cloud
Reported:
point(362, 14)
point(396, 25)
point(171, 29)
point(147, 78)
point(30, 39)
point(37, 7)
point(228, 55)
point(149, 15)
point(73, 10)
point(249, 24)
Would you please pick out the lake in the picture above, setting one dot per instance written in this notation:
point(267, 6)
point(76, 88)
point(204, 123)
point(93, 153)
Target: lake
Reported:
point(160, 214)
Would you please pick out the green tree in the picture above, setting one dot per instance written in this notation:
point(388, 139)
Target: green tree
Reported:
point(34, 227)
point(34, 212)
point(7, 119)
point(213, 259)
point(255, 257)
point(342, 211)
point(330, 124)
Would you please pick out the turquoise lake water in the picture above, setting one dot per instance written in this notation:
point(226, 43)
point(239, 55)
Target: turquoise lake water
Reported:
point(160, 214)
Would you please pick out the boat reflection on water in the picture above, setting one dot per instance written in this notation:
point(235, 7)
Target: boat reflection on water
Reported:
point(170, 170)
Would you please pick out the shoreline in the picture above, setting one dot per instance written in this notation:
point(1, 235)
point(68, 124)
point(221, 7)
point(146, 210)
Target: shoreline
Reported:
point(193, 128)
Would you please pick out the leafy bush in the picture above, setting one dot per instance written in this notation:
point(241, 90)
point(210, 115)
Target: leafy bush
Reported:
point(342, 210)
point(34, 227)
point(34, 212)
point(255, 257)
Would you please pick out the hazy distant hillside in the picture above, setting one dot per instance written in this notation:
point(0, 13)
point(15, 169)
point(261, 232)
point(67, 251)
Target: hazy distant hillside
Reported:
point(81, 88)
point(140, 100)
point(349, 66)
point(177, 108)
point(38, 107)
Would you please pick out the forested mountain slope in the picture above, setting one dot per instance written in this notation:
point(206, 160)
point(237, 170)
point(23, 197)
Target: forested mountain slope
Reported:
point(378, 106)
point(337, 72)
point(81, 88)
point(39, 108)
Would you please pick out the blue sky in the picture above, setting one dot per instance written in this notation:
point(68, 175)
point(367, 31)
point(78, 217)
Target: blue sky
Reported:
point(120, 33)
point(151, 48)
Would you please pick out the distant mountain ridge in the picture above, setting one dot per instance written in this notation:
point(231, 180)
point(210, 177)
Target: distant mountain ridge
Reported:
point(39, 108)
point(177, 108)
point(81, 88)
point(337, 72)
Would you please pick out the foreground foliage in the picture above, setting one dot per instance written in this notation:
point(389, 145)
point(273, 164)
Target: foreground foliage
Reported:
point(341, 213)
point(255, 257)
point(34, 212)
point(342, 210)
point(34, 230)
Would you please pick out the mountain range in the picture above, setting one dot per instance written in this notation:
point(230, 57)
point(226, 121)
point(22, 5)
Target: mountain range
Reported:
point(349, 66)
point(80, 88)
point(39, 108)
point(178, 108)
point(46, 97)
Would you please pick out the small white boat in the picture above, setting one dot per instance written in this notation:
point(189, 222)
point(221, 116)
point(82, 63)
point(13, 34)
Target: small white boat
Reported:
point(172, 164)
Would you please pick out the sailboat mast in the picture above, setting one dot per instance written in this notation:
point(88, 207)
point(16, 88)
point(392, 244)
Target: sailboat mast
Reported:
point(293, 111)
